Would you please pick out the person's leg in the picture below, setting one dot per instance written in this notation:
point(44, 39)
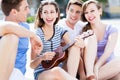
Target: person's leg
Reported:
point(90, 53)
point(73, 60)
point(117, 77)
point(8, 50)
point(81, 71)
point(56, 73)
point(110, 69)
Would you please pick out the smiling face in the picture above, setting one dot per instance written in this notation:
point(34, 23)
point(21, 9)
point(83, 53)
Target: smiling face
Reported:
point(49, 14)
point(73, 13)
point(92, 13)
point(21, 15)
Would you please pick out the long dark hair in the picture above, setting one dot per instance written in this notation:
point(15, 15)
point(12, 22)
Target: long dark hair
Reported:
point(38, 20)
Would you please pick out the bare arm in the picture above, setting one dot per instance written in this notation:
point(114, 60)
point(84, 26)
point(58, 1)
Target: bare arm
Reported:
point(14, 28)
point(108, 49)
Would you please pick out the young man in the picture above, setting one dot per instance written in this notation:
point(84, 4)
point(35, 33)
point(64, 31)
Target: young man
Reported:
point(9, 33)
point(72, 21)
point(74, 25)
point(16, 11)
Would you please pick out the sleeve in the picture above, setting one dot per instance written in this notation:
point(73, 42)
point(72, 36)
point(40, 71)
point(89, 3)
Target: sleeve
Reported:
point(38, 32)
point(112, 29)
point(62, 30)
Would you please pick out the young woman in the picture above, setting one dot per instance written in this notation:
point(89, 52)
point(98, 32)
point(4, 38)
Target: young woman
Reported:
point(106, 65)
point(51, 36)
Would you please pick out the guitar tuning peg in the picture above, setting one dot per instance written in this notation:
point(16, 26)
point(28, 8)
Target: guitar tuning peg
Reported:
point(90, 32)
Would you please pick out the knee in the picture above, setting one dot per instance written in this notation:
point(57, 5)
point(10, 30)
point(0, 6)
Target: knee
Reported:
point(55, 69)
point(47, 75)
point(92, 39)
point(11, 38)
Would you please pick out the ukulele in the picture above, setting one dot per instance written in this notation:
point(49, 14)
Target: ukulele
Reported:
point(61, 54)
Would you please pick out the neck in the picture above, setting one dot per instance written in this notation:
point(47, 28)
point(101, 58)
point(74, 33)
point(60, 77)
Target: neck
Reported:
point(96, 25)
point(10, 19)
point(47, 27)
point(70, 24)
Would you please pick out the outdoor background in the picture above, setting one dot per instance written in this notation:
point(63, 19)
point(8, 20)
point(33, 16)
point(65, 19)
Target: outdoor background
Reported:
point(111, 15)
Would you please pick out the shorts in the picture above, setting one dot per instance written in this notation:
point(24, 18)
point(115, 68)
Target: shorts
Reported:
point(17, 75)
point(41, 69)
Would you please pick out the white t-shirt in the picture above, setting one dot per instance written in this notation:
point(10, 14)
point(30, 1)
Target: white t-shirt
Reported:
point(72, 32)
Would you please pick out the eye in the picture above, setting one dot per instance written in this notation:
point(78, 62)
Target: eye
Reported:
point(85, 12)
point(45, 12)
point(27, 7)
point(71, 10)
point(92, 11)
point(78, 12)
point(52, 12)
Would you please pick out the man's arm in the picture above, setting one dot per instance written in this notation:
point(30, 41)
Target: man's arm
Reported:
point(14, 28)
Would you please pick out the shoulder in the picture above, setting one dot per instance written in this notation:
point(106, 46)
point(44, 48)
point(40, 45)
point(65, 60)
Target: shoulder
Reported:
point(58, 27)
point(111, 28)
point(81, 24)
point(24, 24)
point(62, 22)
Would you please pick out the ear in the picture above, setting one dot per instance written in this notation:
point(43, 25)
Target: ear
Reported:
point(14, 11)
point(100, 11)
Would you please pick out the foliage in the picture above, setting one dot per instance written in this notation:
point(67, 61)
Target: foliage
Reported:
point(30, 19)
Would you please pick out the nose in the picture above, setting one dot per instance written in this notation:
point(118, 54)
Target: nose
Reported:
point(74, 14)
point(49, 15)
point(28, 10)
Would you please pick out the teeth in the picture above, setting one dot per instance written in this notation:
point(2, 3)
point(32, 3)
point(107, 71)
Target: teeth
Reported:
point(73, 18)
point(91, 18)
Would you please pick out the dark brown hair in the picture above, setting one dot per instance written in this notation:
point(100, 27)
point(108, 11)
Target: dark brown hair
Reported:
point(8, 5)
point(38, 20)
point(85, 5)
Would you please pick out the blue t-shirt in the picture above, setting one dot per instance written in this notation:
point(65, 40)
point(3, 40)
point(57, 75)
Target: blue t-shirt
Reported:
point(21, 57)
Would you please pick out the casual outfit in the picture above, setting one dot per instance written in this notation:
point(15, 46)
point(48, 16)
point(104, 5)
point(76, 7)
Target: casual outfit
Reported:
point(21, 57)
point(72, 32)
point(102, 44)
point(49, 45)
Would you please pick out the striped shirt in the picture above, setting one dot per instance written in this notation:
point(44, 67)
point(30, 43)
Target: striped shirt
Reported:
point(51, 44)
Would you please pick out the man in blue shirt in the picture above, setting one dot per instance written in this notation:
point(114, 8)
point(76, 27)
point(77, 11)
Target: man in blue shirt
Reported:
point(17, 11)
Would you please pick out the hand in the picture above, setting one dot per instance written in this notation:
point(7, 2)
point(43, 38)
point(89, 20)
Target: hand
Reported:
point(36, 44)
point(79, 42)
point(48, 55)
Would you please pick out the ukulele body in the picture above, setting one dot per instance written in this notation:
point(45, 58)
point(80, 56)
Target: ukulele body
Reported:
point(59, 57)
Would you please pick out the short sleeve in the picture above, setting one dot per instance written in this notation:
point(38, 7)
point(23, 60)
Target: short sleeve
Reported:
point(111, 29)
point(62, 30)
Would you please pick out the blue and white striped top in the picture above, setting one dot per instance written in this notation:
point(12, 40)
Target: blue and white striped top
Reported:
point(54, 42)
point(51, 44)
